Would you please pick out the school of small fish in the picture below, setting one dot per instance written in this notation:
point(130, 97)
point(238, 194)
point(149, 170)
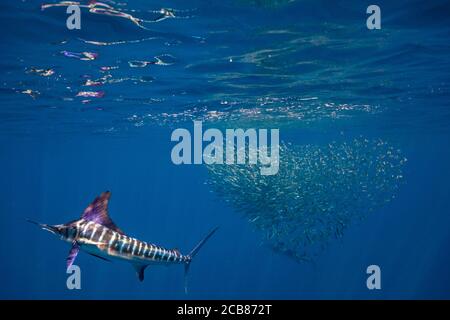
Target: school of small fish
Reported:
point(318, 192)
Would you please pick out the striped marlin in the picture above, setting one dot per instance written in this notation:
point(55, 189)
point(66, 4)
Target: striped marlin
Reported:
point(96, 234)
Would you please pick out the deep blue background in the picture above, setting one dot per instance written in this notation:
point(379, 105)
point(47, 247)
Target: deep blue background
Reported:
point(57, 155)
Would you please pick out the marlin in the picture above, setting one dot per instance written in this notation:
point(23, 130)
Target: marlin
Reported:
point(96, 234)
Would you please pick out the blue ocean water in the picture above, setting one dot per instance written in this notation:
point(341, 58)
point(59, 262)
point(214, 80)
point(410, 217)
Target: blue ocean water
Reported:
point(89, 110)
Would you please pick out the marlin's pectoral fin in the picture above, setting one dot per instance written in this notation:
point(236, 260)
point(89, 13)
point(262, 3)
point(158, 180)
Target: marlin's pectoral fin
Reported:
point(72, 254)
point(140, 270)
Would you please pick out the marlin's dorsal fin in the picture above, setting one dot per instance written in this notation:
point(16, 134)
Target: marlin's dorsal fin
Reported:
point(97, 212)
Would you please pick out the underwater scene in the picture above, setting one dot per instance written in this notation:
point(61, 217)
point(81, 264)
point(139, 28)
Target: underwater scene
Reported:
point(233, 149)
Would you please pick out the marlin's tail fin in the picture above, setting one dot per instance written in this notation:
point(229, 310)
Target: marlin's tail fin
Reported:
point(192, 254)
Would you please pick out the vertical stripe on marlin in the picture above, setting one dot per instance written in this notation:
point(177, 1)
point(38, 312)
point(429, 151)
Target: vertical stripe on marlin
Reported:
point(78, 228)
point(151, 248)
point(140, 248)
point(123, 243)
point(157, 253)
point(111, 241)
point(128, 246)
point(173, 256)
point(153, 252)
point(176, 257)
point(102, 235)
point(85, 229)
point(90, 231)
point(94, 230)
point(134, 246)
point(155, 249)
point(144, 253)
point(118, 242)
point(129, 240)
point(149, 252)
